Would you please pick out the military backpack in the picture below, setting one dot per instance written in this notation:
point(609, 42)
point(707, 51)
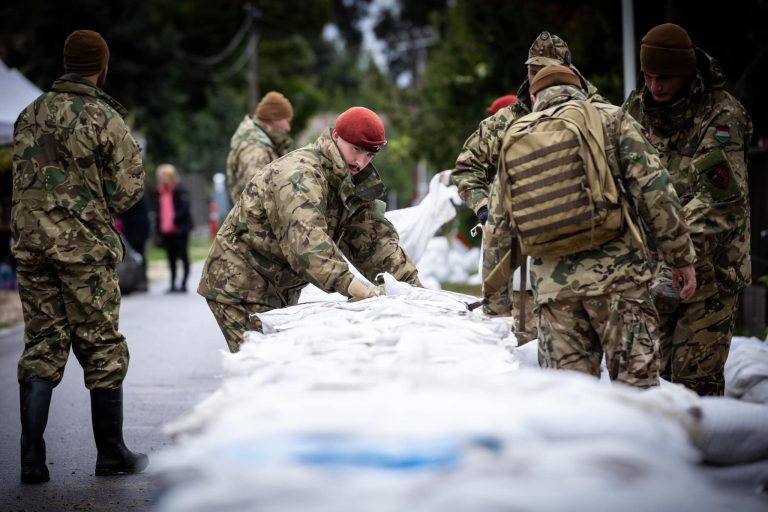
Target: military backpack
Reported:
point(557, 184)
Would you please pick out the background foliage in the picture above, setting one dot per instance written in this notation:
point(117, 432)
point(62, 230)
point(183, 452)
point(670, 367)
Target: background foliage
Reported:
point(187, 111)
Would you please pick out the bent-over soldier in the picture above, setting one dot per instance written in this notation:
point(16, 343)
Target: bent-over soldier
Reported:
point(295, 223)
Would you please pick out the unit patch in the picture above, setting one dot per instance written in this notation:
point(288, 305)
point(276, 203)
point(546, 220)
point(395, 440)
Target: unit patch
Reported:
point(719, 177)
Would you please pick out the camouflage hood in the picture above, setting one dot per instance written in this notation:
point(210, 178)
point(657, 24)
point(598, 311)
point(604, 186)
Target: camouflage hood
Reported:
point(282, 142)
point(556, 95)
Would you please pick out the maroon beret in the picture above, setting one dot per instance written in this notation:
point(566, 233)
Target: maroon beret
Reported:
point(361, 127)
point(500, 103)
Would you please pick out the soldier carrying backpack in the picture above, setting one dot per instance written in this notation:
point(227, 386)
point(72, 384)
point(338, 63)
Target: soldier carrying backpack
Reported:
point(573, 177)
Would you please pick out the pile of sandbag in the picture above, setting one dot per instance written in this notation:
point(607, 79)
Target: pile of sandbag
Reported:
point(411, 402)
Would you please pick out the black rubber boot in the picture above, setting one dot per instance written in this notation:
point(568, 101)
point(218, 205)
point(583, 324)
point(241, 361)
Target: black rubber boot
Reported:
point(34, 401)
point(114, 458)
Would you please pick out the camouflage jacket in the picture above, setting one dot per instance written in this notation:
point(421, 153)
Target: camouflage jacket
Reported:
point(477, 163)
point(253, 146)
point(293, 225)
point(703, 140)
point(476, 169)
point(619, 264)
point(75, 165)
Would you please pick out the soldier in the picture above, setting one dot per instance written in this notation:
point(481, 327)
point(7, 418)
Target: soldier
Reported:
point(75, 165)
point(476, 169)
point(258, 141)
point(296, 221)
point(501, 102)
point(596, 301)
point(702, 134)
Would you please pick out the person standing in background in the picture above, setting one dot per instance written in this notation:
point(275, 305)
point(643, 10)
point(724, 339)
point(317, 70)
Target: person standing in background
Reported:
point(174, 222)
point(259, 140)
point(75, 165)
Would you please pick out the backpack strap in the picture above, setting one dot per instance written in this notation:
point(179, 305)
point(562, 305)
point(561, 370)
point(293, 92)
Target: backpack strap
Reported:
point(521, 306)
point(634, 231)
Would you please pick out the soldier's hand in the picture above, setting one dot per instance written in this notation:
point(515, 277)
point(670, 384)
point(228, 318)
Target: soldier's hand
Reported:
point(358, 290)
point(685, 277)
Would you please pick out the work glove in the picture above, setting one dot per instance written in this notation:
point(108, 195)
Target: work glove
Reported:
point(358, 290)
point(482, 215)
point(666, 296)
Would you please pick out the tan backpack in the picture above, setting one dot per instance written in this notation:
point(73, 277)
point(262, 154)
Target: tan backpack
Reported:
point(556, 181)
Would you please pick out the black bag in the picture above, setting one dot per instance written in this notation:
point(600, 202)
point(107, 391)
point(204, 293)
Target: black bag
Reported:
point(131, 273)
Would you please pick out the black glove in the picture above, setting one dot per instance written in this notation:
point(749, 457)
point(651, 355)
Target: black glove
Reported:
point(665, 295)
point(482, 215)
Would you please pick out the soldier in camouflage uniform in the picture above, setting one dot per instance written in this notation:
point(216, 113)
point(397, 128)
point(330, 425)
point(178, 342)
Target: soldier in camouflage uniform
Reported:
point(296, 221)
point(258, 141)
point(75, 165)
point(476, 168)
point(702, 134)
point(596, 302)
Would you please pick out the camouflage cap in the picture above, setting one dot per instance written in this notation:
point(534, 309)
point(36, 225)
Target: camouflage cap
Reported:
point(548, 50)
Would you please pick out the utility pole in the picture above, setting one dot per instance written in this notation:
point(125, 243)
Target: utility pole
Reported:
point(251, 50)
point(628, 38)
point(415, 43)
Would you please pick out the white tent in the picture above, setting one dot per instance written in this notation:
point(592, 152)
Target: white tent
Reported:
point(17, 93)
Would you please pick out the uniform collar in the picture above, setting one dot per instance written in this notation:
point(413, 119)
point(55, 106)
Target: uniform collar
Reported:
point(75, 84)
point(271, 137)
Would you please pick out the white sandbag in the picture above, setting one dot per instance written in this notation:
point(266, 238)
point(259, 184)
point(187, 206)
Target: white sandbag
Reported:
point(416, 225)
point(733, 431)
point(746, 370)
point(410, 402)
point(752, 476)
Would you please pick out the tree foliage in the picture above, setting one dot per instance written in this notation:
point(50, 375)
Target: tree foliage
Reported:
point(187, 109)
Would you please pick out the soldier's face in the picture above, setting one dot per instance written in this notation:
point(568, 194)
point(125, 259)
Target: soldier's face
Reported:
point(665, 88)
point(357, 158)
point(281, 125)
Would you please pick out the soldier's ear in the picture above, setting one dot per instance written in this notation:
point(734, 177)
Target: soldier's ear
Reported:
point(335, 135)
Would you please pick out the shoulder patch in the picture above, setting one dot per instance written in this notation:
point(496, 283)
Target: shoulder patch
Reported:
point(723, 134)
point(719, 177)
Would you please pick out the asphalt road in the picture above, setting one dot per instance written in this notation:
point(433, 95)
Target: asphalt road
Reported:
point(175, 347)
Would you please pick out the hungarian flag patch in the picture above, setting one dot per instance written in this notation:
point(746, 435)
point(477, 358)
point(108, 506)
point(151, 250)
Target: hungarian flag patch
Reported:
point(723, 134)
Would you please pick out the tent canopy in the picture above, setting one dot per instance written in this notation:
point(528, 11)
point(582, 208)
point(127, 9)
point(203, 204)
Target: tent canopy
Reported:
point(18, 92)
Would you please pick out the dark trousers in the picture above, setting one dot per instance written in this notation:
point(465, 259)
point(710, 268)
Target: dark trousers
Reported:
point(177, 248)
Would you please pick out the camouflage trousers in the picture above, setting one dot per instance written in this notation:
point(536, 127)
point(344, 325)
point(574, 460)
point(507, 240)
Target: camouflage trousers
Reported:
point(695, 341)
point(75, 306)
point(235, 319)
point(531, 331)
point(575, 333)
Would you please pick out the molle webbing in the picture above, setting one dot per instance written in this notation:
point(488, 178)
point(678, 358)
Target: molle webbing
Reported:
point(560, 192)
